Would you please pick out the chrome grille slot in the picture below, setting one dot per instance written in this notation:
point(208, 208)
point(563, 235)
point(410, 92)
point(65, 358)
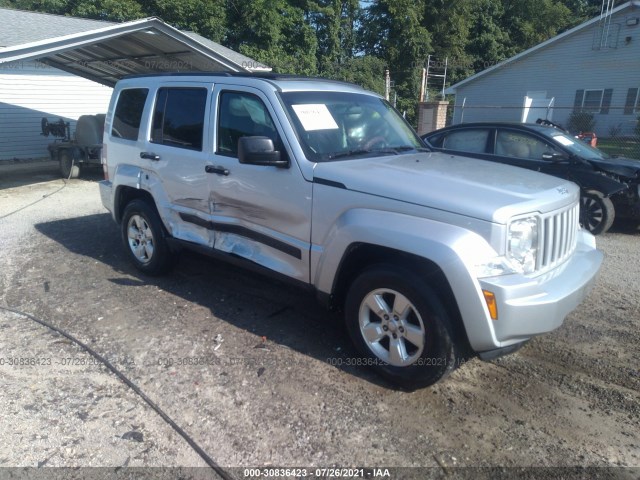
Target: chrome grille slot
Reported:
point(558, 237)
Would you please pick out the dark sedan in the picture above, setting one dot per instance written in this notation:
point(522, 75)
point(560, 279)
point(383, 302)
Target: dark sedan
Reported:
point(609, 185)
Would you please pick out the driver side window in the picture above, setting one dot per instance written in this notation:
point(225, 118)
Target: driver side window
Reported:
point(242, 115)
point(522, 145)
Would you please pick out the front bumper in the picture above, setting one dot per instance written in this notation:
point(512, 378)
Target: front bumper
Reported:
point(532, 306)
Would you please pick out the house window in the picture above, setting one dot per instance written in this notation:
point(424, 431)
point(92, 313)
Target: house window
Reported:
point(631, 105)
point(593, 101)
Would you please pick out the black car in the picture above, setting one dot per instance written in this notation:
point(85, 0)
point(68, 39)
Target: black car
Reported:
point(609, 185)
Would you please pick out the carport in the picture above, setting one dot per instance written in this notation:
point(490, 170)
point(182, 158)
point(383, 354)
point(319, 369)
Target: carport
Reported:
point(113, 51)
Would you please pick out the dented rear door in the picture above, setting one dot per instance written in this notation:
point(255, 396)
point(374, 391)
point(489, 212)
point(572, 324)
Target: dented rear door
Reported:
point(175, 151)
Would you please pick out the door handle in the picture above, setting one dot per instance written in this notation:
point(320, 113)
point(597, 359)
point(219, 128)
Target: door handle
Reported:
point(216, 169)
point(150, 156)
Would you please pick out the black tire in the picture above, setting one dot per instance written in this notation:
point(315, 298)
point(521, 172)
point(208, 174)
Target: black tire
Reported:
point(422, 367)
point(146, 243)
point(596, 212)
point(67, 167)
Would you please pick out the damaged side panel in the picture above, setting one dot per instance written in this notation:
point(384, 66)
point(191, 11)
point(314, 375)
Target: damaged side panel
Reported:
point(261, 254)
point(172, 211)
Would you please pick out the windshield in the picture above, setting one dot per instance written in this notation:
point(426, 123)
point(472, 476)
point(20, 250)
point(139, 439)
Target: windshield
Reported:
point(338, 125)
point(579, 148)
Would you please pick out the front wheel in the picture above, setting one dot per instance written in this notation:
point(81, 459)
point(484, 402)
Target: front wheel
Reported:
point(596, 212)
point(400, 326)
point(144, 238)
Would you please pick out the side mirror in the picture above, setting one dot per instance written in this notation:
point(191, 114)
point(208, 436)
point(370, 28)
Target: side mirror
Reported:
point(260, 151)
point(555, 157)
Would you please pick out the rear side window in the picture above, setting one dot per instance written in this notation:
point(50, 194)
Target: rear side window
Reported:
point(126, 120)
point(472, 141)
point(178, 117)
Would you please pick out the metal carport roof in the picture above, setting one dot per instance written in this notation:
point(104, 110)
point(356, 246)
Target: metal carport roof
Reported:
point(105, 52)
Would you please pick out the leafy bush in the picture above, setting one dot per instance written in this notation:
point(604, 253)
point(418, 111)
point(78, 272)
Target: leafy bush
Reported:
point(581, 122)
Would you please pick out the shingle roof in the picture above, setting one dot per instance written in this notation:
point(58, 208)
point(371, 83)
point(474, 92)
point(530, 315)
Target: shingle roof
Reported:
point(25, 27)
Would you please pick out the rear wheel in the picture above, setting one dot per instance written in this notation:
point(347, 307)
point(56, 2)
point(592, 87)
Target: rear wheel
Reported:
point(68, 168)
point(144, 238)
point(400, 326)
point(596, 212)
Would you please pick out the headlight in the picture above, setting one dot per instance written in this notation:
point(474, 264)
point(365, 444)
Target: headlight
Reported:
point(522, 244)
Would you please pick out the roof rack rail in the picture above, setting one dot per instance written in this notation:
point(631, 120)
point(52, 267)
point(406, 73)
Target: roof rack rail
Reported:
point(263, 75)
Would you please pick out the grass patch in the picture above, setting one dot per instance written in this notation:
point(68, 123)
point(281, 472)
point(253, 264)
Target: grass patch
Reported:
point(621, 146)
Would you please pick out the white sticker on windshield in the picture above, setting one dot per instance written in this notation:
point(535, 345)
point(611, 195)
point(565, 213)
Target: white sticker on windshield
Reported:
point(564, 140)
point(315, 117)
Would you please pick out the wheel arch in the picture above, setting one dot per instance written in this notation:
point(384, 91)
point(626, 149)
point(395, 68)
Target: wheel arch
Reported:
point(360, 255)
point(125, 194)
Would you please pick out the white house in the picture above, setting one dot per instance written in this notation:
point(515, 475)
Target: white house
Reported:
point(60, 67)
point(594, 67)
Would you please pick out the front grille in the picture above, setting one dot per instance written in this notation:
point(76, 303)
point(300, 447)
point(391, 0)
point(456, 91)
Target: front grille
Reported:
point(558, 237)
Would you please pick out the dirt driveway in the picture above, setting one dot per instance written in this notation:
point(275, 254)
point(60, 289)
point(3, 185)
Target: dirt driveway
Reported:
point(258, 375)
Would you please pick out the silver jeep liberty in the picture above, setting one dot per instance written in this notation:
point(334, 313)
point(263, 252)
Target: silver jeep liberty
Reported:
point(432, 257)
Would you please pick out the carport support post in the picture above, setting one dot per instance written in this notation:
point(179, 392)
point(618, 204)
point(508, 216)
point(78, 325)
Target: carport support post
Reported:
point(432, 116)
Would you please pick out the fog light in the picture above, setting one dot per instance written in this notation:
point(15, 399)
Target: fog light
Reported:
point(492, 305)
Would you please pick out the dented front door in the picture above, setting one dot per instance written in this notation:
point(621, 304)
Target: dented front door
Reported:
point(261, 213)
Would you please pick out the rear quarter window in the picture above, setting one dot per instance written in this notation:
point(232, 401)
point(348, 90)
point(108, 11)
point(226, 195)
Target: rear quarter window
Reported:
point(128, 114)
point(178, 117)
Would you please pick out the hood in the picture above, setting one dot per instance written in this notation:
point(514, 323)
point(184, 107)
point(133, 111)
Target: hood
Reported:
point(626, 167)
point(476, 188)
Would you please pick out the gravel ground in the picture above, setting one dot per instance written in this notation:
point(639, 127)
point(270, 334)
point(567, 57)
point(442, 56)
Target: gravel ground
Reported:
point(256, 373)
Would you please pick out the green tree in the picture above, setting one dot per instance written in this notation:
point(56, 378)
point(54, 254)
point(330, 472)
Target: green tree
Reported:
point(449, 23)
point(274, 33)
point(59, 7)
point(488, 43)
point(111, 10)
point(582, 10)
point(205, 17)
point(393, 31)
point(366, 71)
point(334, 24)
point(530, 22)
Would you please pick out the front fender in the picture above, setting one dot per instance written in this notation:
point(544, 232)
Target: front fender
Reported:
point(595, 181)
point(455, 250)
